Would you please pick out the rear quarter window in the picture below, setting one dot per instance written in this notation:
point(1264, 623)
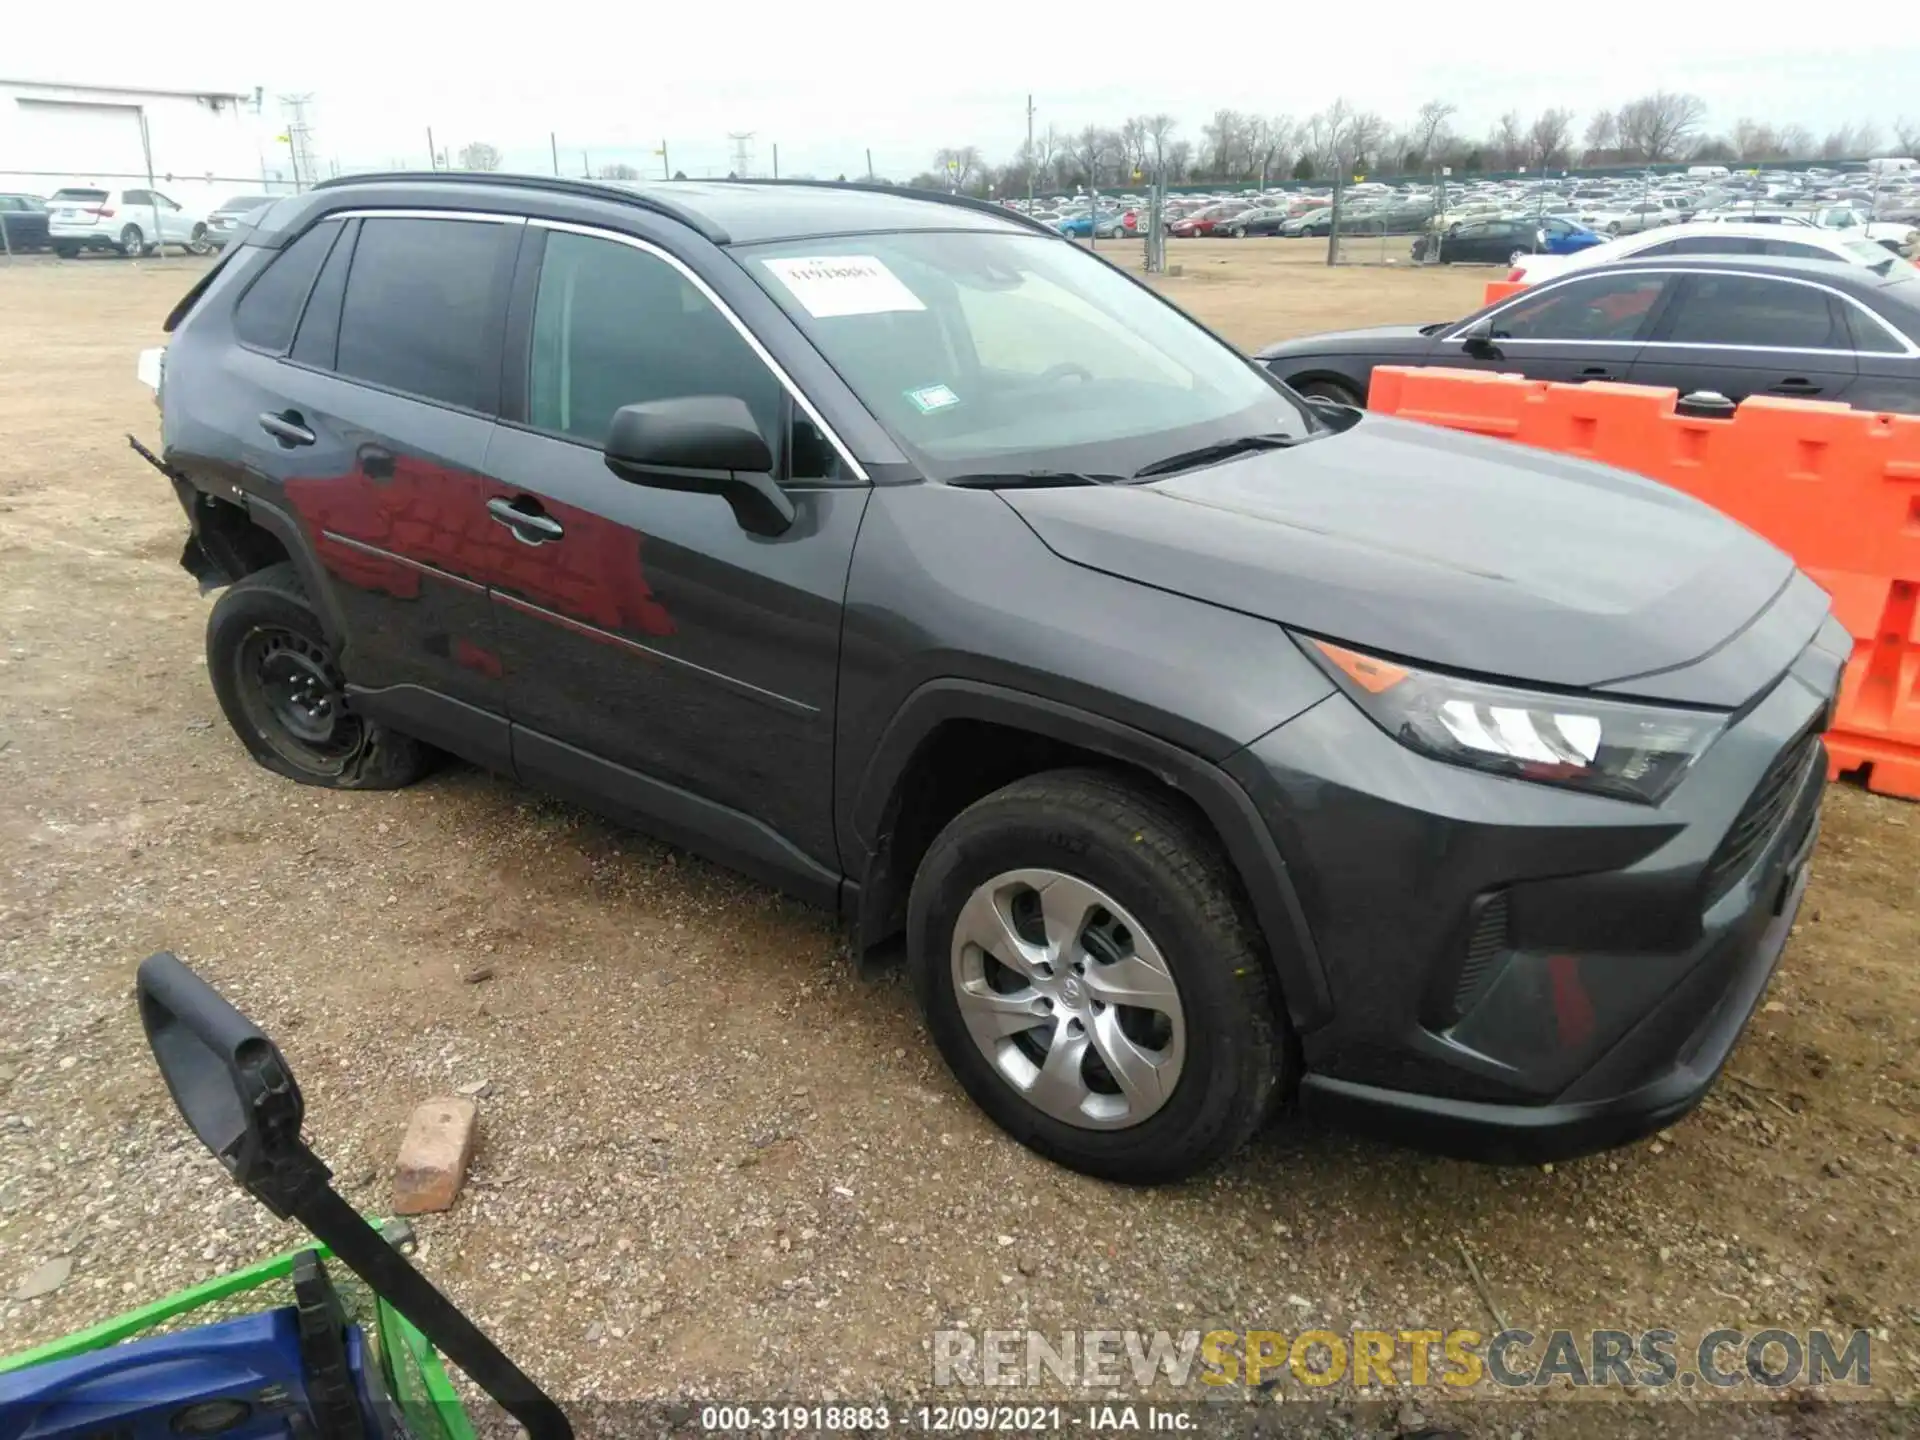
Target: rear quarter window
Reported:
point(269, 311)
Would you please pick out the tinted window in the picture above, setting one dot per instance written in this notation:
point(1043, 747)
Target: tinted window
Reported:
point(1707, 245)
point(1607, 307)
point(1753, 310)
point(320, 324)
point(269, 311)
point(1868, 334)
point(89, 195)
point(615, 326)
point(420, 309)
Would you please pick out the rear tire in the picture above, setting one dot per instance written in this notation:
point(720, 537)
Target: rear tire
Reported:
point(132, 242)
point(1195, 1073)
point(274, 673)
point(67, 252)
point(198, 243)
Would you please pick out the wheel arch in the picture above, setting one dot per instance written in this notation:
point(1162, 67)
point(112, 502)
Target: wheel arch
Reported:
point(907, 794)
point(1327, 374)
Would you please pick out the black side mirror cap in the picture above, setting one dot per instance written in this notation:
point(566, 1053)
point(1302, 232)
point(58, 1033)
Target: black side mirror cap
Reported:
point(704, 444)
point(232, 1085)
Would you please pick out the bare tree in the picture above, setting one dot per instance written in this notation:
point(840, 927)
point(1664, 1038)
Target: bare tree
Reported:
point(1509, 141)
point(1906, 135)
point(1755, 140)
point(960, 163)
point(1602, 134)
point(618, 170)
point(1179, 160)
point(1226, 137)
point(1273, 147)
point(1660, 127)
point(1551, 139)
point(1093, 152)
point(1160, 130)
point(1047, 148)
point(1428, 135)
point(1796, 142)
point(479, 155)
point(1133, 144)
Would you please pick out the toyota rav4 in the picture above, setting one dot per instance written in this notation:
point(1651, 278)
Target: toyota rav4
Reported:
point(1211, 749)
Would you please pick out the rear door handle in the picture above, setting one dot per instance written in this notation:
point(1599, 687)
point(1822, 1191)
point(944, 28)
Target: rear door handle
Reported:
point(1795, 386)
point(1597, 372)
point(289, 427)
point(529, 523)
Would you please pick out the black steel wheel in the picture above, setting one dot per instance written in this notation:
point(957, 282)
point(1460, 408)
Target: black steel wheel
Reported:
point(280, 684)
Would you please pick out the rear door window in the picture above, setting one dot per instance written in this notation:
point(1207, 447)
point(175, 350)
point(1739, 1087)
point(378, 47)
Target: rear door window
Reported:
point(1755, 310)
point(424, 304)
point(270, 310)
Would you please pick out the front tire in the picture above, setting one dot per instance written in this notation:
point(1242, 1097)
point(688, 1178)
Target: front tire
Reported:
point(67, 252)
point(1333, 390)
point(1091, 975)
point(132, 242)
point(199, 243)
point(276, 678)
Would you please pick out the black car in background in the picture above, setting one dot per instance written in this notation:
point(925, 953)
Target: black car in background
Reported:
point(23, 221)
point(1738, 325)
point(1502, 241)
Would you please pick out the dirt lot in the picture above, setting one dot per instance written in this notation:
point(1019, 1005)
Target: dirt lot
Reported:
point(713, 1160)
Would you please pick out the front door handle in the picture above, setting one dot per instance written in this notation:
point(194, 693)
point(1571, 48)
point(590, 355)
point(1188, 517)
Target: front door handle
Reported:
point(529, 523)
point(1795, 386)
point(289, 427)
point(1597, 372)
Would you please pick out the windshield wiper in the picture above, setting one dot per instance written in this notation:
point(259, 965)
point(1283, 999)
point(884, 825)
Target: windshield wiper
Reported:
point(1031, 479)
point(1215, 453)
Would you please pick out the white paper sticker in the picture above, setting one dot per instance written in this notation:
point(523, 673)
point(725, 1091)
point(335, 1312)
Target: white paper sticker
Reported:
point(830, 285)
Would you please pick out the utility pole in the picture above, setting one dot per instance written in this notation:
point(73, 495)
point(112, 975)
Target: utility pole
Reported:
point(666, 172)
point(1030, 165)
point(870, 165)
point(776, 162)
point(433, 155)
point(553, 141)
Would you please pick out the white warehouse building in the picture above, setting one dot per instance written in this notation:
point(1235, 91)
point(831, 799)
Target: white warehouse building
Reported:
point(200, 146)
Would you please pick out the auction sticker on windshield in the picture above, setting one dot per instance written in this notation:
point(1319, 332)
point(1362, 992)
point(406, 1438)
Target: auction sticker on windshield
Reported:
point(830, 285)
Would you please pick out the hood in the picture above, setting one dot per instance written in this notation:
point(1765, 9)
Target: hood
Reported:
point(1465, 553)
point(1366, 338)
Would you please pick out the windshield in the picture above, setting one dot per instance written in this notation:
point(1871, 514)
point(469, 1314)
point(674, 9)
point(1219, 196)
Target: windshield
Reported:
point(247, 202)
point(987, 350)
point(79, 194)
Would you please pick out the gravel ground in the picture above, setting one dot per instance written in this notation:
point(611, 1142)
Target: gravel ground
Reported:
point(713, 1160)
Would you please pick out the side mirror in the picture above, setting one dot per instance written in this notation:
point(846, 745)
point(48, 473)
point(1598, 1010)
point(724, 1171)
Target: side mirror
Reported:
point(704, 444)
point(230, 1082)
point(1478, 335)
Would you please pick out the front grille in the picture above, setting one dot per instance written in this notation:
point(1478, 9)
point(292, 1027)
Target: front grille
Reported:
point(1760, 818)
point(1486, 939)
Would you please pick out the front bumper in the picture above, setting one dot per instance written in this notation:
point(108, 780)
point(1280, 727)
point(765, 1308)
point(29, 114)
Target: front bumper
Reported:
point(1521, 973)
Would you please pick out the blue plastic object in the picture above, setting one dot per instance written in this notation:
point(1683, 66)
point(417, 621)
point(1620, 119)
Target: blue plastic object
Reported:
point(237, 1379)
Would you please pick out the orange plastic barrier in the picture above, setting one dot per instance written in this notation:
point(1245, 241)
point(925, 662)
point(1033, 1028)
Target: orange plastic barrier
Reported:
point(1498, 290)
point(1837, 489)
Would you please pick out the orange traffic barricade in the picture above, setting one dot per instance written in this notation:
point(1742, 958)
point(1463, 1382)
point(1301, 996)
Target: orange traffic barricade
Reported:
point(1498, 290)
point(1837, 489)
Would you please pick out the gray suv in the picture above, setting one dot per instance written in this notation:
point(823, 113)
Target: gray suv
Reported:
point(1210, 750)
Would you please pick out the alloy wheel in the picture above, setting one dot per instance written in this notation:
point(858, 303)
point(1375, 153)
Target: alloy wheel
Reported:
point(1068, 998)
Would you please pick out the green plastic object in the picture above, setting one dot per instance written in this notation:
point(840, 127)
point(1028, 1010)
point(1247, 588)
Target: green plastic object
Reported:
point(411, 1367)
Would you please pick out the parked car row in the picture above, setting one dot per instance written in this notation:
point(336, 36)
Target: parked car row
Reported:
point(126, 220)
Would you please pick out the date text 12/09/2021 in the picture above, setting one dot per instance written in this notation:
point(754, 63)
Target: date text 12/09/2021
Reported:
point(962, 1419)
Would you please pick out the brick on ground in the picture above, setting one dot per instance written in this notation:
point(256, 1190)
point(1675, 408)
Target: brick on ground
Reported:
point(434, 1154)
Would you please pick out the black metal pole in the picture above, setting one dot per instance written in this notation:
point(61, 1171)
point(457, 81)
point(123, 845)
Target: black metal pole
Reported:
point(391, 1275)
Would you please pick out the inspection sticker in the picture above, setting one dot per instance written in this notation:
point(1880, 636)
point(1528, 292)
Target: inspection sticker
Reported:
point(932, 398)
point(829, 285)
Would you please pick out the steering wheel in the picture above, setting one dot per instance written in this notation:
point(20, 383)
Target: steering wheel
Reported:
point(1065, 369)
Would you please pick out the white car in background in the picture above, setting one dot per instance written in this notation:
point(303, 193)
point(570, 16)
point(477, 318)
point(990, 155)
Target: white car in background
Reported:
point(1717, 237)
point(1895, 235)
point(131, 221)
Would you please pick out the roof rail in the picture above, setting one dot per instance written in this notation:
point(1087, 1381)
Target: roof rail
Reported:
point(647, 199)
point(943, 197)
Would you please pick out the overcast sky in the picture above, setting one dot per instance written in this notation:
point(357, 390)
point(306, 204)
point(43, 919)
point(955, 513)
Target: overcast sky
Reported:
point(826, 82)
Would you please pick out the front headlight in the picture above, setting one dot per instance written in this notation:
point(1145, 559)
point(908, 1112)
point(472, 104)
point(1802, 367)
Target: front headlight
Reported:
point(1609, 747)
